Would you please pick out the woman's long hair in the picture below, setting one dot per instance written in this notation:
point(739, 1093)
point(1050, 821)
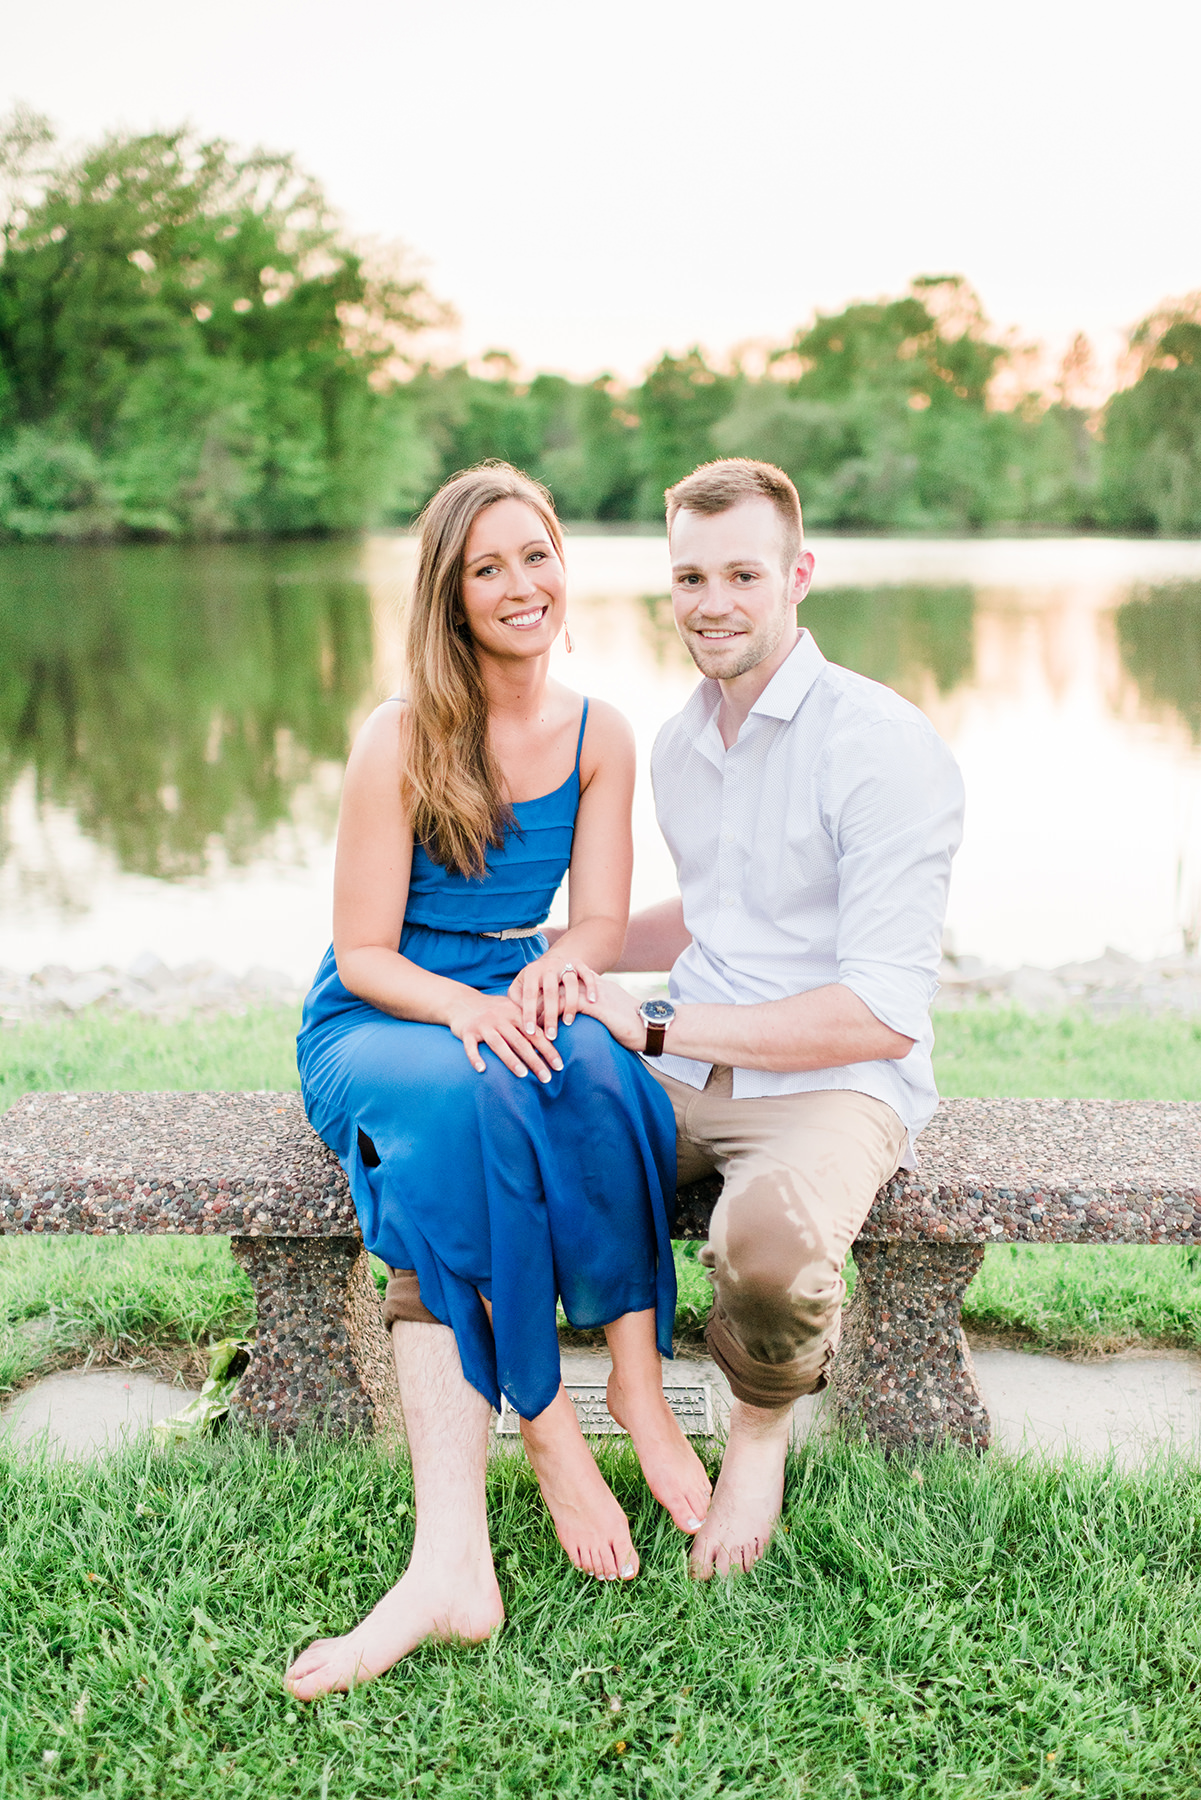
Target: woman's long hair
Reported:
point(453, 785)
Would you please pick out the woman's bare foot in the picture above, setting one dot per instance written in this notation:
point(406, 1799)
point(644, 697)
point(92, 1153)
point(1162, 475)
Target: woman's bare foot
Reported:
point(674, 1472)
point(427, 1601)
point(748, 1495)
point(590, 1524)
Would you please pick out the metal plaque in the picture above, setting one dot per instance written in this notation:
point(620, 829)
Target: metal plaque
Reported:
point(692, 1405)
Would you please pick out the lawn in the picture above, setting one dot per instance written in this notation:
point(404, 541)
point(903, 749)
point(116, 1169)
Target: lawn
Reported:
point(956, 1627)
point(990, 1050)
point(965, 1629)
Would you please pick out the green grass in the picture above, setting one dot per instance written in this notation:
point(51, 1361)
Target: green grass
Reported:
point(124, 1052)
point(62, 1299)
point(1000, 1050)
point(1088, 1298)
point(986, 1050)
point(982, 1630)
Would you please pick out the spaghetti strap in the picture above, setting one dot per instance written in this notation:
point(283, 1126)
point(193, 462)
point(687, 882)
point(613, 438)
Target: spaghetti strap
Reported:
point(580, 740)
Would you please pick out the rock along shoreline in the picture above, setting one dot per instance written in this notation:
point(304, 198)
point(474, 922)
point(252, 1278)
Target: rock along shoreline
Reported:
point(1107, 986)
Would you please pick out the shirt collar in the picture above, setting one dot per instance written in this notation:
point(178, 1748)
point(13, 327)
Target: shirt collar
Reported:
point(780, 699)
point(783, 694)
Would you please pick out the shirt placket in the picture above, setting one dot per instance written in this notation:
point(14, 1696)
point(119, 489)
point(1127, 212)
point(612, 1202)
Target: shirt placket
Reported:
point(730, 860)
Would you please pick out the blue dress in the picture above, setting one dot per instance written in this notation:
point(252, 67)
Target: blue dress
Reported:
point(523, 1191)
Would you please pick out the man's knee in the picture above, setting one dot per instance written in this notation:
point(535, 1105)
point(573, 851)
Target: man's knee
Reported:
point(767, 1252)
point(778, 1293)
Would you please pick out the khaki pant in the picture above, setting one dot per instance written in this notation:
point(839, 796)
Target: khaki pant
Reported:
point(801, 1172)
point(402, 1299)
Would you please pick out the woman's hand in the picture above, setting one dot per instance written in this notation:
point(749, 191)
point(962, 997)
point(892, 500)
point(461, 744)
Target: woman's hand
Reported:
point(550, 987)
point(493, 1019)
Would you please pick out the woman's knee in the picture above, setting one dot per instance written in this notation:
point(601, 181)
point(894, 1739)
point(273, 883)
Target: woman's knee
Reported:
point(587, 1051)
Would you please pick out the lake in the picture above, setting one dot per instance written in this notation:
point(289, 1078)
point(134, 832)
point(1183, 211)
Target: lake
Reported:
point(174, 720)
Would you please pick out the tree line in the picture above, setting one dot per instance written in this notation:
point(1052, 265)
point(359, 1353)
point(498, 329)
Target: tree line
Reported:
point(190, 348)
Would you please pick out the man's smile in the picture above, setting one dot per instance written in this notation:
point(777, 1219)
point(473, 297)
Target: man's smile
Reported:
point(713, 633)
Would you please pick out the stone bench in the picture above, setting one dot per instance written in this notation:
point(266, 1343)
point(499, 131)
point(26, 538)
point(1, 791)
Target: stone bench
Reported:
point(248, 1166)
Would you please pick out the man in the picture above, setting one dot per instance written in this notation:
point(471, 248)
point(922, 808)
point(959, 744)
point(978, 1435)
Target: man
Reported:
point(812, 815)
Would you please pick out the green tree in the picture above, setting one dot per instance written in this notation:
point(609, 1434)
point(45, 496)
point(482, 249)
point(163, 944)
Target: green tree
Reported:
point(193, 317)
point(589, 456)
point(1151, 460)
point(577, 437)
point(881, 415)
point(677, 407)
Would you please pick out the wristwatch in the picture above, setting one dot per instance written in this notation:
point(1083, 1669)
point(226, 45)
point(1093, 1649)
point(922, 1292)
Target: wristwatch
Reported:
point(658, 1015)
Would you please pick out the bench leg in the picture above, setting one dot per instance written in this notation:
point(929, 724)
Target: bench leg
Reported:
point(320, 1355)
point(904, 1372)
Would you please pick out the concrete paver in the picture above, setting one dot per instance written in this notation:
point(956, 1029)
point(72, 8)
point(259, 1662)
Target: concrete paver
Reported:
point(1138, 1406)
point(79, 1412)
point(1135, 1406)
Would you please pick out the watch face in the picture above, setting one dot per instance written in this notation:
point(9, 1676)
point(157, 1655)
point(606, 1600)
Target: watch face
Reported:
point(658, 1012)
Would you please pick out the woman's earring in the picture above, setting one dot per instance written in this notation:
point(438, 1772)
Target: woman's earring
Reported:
point(567, 638)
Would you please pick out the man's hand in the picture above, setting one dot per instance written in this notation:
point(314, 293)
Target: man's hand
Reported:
point(619, 1011)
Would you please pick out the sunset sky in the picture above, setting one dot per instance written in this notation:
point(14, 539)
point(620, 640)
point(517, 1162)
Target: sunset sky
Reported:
point(589, 185)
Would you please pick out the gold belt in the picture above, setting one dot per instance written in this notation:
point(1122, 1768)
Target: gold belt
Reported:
point(512, 931)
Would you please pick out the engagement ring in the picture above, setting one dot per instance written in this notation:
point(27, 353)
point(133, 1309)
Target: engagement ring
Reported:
point(567, 969)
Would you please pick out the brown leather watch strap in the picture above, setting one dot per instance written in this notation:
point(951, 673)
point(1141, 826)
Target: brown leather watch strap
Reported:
point(655, 1035)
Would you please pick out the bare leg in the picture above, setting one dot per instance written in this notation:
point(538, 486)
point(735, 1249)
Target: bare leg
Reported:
point(588, 1521)
point(449, 1588)
point(749, 1492)
point(674, 1472)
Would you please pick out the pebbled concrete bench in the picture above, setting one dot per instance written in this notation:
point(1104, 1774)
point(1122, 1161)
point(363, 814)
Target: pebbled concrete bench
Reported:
point(249, 1166)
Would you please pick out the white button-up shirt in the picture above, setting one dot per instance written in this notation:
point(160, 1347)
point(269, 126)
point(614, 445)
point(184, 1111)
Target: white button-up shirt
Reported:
point(817, 849)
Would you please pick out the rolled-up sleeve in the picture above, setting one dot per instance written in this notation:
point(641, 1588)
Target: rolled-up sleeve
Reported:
point(892, 802)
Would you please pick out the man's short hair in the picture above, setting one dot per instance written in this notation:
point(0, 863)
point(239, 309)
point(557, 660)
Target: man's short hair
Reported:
point(717, 486)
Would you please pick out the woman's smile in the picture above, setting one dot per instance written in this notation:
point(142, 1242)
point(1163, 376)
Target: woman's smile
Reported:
point(527, 620)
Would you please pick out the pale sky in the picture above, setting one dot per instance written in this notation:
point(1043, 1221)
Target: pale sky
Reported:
point(589, 185)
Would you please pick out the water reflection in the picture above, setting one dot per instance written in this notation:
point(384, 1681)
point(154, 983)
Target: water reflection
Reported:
point(905, 636)
point(174, 699)
point(1159, 635)
point(166, 713)
point(902, 636)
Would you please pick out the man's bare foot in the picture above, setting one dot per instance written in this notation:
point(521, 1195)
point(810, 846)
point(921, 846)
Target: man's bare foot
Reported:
point(427, 1601)
point(748, 1495)
point(590, 1524)
point(674, 1472)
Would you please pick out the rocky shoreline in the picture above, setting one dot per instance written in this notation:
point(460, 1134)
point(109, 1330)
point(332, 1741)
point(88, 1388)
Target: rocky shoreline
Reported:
point(1107, 986)
point(148, 986)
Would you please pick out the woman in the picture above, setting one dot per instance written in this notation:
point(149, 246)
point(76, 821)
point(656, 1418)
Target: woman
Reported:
point(496, 1161)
